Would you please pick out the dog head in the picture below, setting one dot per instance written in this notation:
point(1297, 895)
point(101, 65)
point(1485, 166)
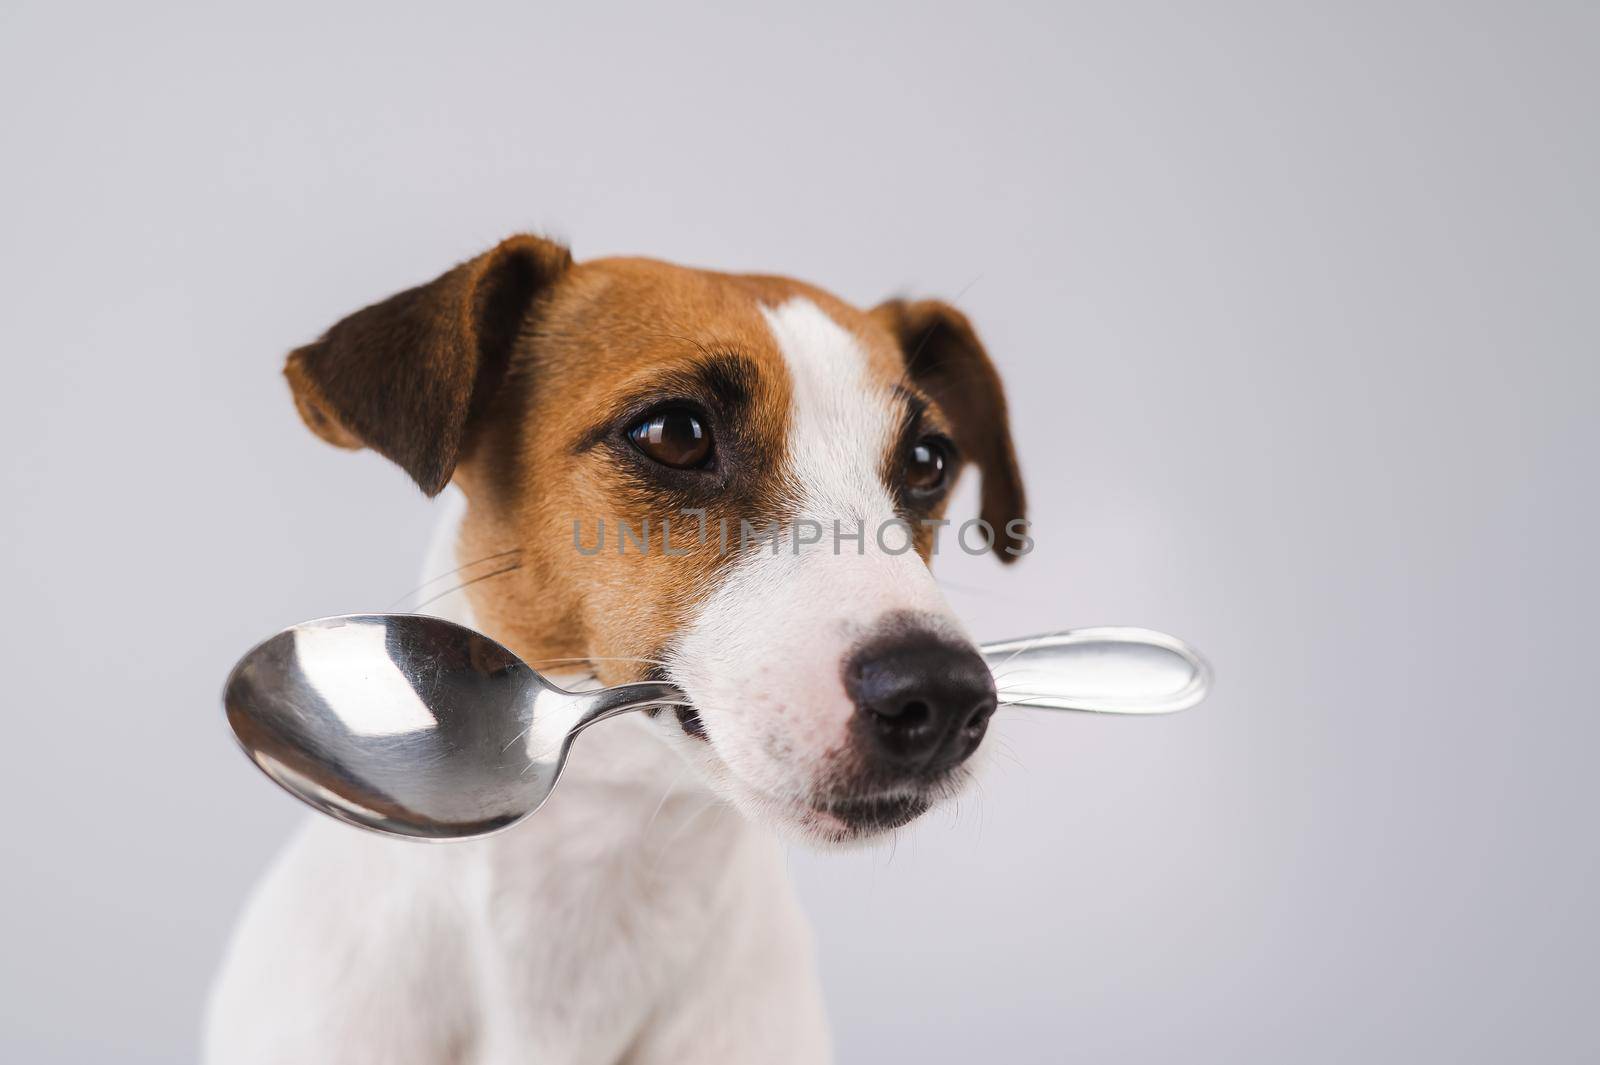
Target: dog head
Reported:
point(728, 481)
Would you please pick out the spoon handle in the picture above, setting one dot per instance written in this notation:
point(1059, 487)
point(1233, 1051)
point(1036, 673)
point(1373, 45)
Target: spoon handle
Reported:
point(609, 702)
point(1109, 670)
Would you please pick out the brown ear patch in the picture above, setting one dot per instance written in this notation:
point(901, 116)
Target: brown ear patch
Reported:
point(314, 409)
point(947, 361)
point(408, 376)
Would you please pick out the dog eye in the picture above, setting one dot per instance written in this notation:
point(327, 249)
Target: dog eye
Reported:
point(675, 437)
point(926, 465)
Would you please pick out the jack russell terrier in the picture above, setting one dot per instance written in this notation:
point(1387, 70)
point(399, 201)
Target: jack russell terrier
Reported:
point(644, 915)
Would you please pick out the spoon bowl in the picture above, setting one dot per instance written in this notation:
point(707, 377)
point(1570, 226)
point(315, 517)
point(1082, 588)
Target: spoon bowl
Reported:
point(414, 726)
point(411, 725)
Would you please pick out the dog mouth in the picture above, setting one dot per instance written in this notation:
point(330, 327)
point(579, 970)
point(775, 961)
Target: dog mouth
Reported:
point(833, 814)
point(844, 809)
point(689, 720)
point(687, 714)
point(871, 815)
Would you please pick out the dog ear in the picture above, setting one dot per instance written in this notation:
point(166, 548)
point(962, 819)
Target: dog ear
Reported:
point(947, 361)
point(406, 377)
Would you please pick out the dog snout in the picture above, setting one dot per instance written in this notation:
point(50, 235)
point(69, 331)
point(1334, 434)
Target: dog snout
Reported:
point(923, 701)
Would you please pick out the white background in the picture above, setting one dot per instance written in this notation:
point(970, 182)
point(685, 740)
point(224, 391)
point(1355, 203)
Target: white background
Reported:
point(1296, 304)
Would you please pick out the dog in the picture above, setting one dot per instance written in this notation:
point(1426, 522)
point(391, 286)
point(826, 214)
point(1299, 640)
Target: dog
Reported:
point(777, 464)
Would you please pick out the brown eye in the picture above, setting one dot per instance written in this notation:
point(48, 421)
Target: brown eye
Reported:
point(925, 465)
point(675, 437)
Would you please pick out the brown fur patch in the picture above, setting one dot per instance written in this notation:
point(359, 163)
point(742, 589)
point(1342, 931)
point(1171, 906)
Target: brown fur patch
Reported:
point(616, 339)
point(947, 362)
point(517, 374)
point(407, 376)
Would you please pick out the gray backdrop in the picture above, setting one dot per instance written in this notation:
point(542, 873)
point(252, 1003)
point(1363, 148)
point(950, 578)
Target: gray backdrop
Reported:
point(1297, 308)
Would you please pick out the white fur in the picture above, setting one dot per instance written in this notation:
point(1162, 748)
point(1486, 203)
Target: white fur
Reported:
point(842, 423)
point(763, 658)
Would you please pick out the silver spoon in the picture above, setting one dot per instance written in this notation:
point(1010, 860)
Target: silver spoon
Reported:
point(417, 727)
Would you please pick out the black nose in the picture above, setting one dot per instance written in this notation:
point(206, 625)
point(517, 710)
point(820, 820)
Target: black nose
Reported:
point(923, 700)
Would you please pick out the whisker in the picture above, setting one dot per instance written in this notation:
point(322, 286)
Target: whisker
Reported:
point(434, 580)
point(451, 591)
point(1030, 645)
point(665, 794)
point(980, 801)
point(666, 846)
point(689, 340)
point(911, 361)
point(1004, 750)
point(600, 658)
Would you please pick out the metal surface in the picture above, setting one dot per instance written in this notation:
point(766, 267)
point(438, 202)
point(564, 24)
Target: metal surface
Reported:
point(1103, 671)
point(417, 727)
point(410, 725)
